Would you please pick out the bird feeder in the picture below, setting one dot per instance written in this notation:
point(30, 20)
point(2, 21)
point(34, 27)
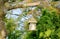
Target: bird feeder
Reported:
point(32, 23)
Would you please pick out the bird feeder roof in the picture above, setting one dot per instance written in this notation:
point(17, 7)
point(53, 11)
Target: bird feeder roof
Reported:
point(32, 20)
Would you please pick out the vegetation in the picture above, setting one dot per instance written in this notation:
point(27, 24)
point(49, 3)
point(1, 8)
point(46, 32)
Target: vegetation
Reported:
point(47, 26)
point(47, 14)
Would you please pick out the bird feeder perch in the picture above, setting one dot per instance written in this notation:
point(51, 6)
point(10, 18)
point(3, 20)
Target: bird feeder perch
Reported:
point(32, 23)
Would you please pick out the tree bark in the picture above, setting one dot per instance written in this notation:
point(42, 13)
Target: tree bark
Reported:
point(20, 5)
point(2, 24)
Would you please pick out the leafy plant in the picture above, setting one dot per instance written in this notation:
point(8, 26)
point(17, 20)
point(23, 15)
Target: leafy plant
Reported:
point(47, 26)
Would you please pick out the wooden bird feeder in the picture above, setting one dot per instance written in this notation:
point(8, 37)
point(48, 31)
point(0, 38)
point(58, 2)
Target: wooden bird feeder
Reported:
point(32, 23)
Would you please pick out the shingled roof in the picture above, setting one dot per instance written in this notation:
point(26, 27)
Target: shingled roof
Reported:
point(32, 20)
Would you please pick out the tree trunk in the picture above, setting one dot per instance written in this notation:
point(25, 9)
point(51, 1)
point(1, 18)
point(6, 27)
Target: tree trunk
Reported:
point(2, 24)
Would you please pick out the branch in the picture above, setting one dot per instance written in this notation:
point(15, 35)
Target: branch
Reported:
point(16, 14)
point(15, 5)
point(20, 5)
